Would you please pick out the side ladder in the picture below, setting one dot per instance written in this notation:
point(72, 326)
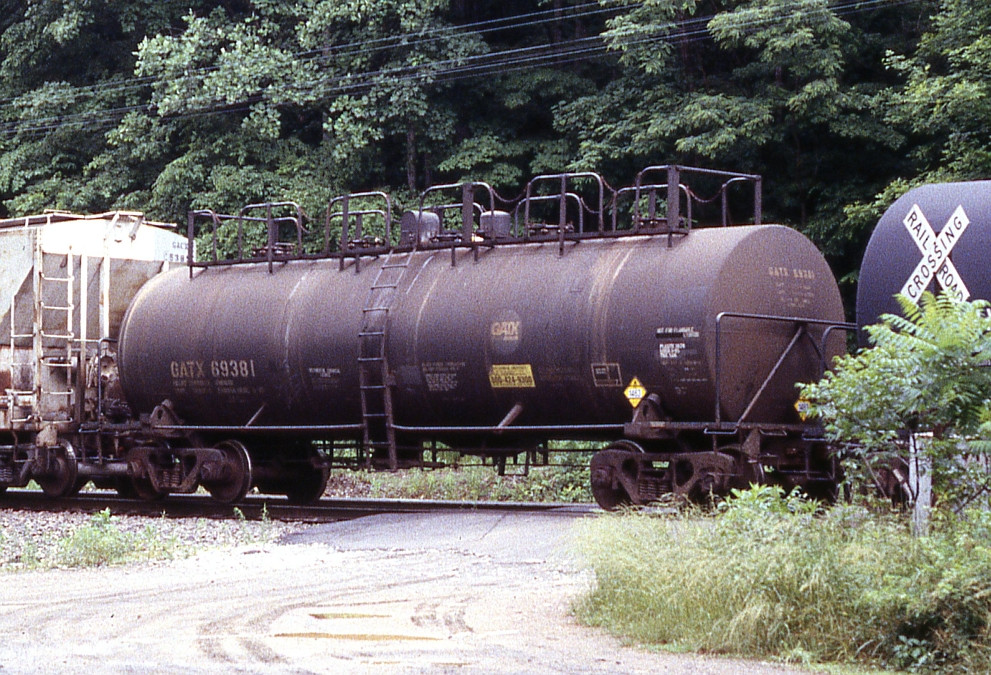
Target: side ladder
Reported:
point(374, 377)
point(54, 334)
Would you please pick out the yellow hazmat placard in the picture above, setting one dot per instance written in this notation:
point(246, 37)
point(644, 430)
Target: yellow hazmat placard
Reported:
point(802, 406)
point(511, 376)
point(635, 392)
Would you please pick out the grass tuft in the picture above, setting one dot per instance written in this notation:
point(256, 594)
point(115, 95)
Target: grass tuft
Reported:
point(101, 542)
point(470, 483)
point(103, 539)
point(773, 576)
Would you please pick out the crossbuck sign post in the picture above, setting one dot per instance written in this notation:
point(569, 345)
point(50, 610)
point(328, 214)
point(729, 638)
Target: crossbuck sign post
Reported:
point(935, 262)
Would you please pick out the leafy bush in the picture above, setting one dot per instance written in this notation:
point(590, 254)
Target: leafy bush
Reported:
point(926, 373)
point(772, 576)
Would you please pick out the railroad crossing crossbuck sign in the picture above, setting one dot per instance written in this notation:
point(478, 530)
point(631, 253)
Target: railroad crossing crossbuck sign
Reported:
point(935, 250)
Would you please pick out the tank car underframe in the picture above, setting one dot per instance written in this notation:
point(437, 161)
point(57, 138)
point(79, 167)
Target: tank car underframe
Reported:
point(60, 463)
point(227, 469)
point(146, 463)
point(698, 460)
point(628, 472)
point(17, 461)
point(656, 455)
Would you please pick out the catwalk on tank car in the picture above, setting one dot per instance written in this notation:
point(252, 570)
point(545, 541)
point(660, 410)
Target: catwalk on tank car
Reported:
point(575, 312)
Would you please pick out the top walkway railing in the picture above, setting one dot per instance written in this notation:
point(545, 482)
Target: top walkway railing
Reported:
point(665, 199)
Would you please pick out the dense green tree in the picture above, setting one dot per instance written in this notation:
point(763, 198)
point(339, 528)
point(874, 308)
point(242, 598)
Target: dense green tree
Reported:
point(315, 98)
point(214, 103)
point(941, 103)
point(946, 98)
point(66, 77)
point(227, 123)
point(784, 88)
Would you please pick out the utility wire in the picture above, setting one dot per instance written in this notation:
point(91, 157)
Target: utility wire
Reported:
point(366, 47)
point(443, 71)
point(562, 47)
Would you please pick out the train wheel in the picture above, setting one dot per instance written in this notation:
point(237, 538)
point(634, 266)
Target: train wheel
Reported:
point(308, 487)
point(228, 475)
point(61, 481)
point(143, 489)
point(701, 476)
point(138, 484)
point(609, 468)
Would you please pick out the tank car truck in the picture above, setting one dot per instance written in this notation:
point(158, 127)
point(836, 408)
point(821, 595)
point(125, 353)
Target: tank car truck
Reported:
point(65, 283)
point(488, 327)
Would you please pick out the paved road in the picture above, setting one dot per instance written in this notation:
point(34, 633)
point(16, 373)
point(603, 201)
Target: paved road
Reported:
point(464, 592)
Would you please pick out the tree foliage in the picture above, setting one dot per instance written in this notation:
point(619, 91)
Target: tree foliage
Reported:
point(938, 100)
point(215, 103)
point(946, 96)
point(778, 87)
point(66, 78)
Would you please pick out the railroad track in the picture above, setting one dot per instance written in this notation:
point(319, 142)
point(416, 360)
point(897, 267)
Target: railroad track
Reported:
point(261, 507)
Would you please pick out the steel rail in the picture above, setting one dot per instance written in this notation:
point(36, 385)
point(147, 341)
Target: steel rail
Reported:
point(261, 507)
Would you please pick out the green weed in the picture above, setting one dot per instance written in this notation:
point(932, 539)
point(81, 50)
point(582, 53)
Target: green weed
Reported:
point(481, 483)
point(772, 576)
point(102, 542)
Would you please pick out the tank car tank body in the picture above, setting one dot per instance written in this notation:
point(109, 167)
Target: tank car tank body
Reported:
point(681, 346)
point(934, 237)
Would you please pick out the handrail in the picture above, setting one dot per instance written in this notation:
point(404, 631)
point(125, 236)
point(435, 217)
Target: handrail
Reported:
point(530, 226)
point(801, 323)
point(575, 207)
point(651, 217)
point(673, 174)
point(346, 213)
point(467, 206)
point(272, 222)
point(564, 179)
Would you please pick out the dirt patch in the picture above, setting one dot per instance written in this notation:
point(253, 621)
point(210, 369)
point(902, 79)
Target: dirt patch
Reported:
point(463, 592)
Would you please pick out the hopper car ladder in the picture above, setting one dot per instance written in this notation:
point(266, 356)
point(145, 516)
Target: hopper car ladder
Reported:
point(58, 355)
point(374, 378)
point(51, 351)
point(22, 398)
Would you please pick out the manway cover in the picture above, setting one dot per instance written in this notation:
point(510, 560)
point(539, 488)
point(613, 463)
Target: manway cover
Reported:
point(935, 237)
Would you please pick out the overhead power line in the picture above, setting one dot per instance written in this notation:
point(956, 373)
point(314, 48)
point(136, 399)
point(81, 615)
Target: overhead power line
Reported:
point(366, 47)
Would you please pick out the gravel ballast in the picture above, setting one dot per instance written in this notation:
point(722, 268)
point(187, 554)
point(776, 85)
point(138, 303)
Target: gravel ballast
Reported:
point(30, 539)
